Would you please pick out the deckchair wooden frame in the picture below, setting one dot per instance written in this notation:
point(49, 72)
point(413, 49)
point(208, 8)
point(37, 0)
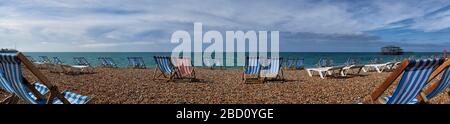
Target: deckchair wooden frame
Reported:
point(101, 59)
point(279, 77)
point(373, 98)
point(191, 77)
point(53, 89)
point(169, 77)
point(245, 77)
point(425, 91)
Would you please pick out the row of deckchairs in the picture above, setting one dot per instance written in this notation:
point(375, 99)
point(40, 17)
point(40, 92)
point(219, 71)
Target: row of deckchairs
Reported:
point(41, 92)
point(417, 82)
point(293, 63)
point(262, 69)
point(171, 69)
point(81, 62)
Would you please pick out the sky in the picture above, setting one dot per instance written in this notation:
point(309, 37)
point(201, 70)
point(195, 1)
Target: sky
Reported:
point(147, 25)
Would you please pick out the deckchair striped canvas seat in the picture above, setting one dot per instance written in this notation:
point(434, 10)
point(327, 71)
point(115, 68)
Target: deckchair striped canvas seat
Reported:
point(165, 67)
point(81, 61)
point(252, 68)
point(11, 72)
point(107, 62)
point(7, 86)
point(136, 62)
point(81, 65)
point(434, 87)
point(415, 76)
point(272, 70)
point(56, 60)
point(184, 67)
point(443, 84)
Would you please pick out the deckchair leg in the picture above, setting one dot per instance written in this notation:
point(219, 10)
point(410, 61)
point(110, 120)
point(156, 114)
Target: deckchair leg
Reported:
point(321, 74)
point(309, 72)
point(154, 73)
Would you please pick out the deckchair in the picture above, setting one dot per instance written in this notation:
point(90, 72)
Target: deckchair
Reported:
point(184, 68)
point(81, 65)
point(38, 64)
point(165, 68)
point(416, 73)
point(107, 62)
point(272, 71)
point(300, 64)
point(435, 88)
point(11, 72)
point(353, 64)
point(290, 63)
point(81, 61)
point(251, 69)
point(136, 62)
point(45, 59)
point(56, 60)
point(31, 59)
point(284, 63)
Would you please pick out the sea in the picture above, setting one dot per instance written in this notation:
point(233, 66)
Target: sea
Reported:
point(310, 58)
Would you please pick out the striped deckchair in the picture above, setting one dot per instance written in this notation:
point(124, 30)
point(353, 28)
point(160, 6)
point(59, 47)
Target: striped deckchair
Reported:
point(81, 61)
point(252, 68)
point(300, 64)
point(165, 68)
point(184, 68)
point(81, 65)
point(45, 59)
point(56, 60)
point(416, 73)
point(435, 88)
point(291, 63)
point(136, 62)
point(11, 71)
point(31, 59)
point(107, 62)
point(272, 71)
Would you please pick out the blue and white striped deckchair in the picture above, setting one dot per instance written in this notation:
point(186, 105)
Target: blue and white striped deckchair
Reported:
point(81, 61)
point(56, 60)
point(165, 68)
point(323, 62)
point(45, 59)
point(136, 62)
point(11, 71)
point(443, 84)
point(272, 70)
point(291, 63)
point(107, 62)
point(415, 76)
point(31, 59)
point(300, 64)
point(252, 67)
point(437, 87)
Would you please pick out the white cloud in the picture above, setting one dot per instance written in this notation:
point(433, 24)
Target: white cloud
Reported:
point(62, 23)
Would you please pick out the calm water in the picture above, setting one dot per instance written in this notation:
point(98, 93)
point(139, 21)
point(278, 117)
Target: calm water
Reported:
point(310, 58)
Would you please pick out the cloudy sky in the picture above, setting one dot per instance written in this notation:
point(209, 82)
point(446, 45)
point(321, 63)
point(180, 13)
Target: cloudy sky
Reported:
point(147, 25)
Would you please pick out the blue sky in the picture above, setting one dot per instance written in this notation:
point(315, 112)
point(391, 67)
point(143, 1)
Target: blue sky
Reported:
point(146, 25)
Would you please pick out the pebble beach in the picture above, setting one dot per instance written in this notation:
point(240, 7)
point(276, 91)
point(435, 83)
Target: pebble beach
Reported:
point(218, 86)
